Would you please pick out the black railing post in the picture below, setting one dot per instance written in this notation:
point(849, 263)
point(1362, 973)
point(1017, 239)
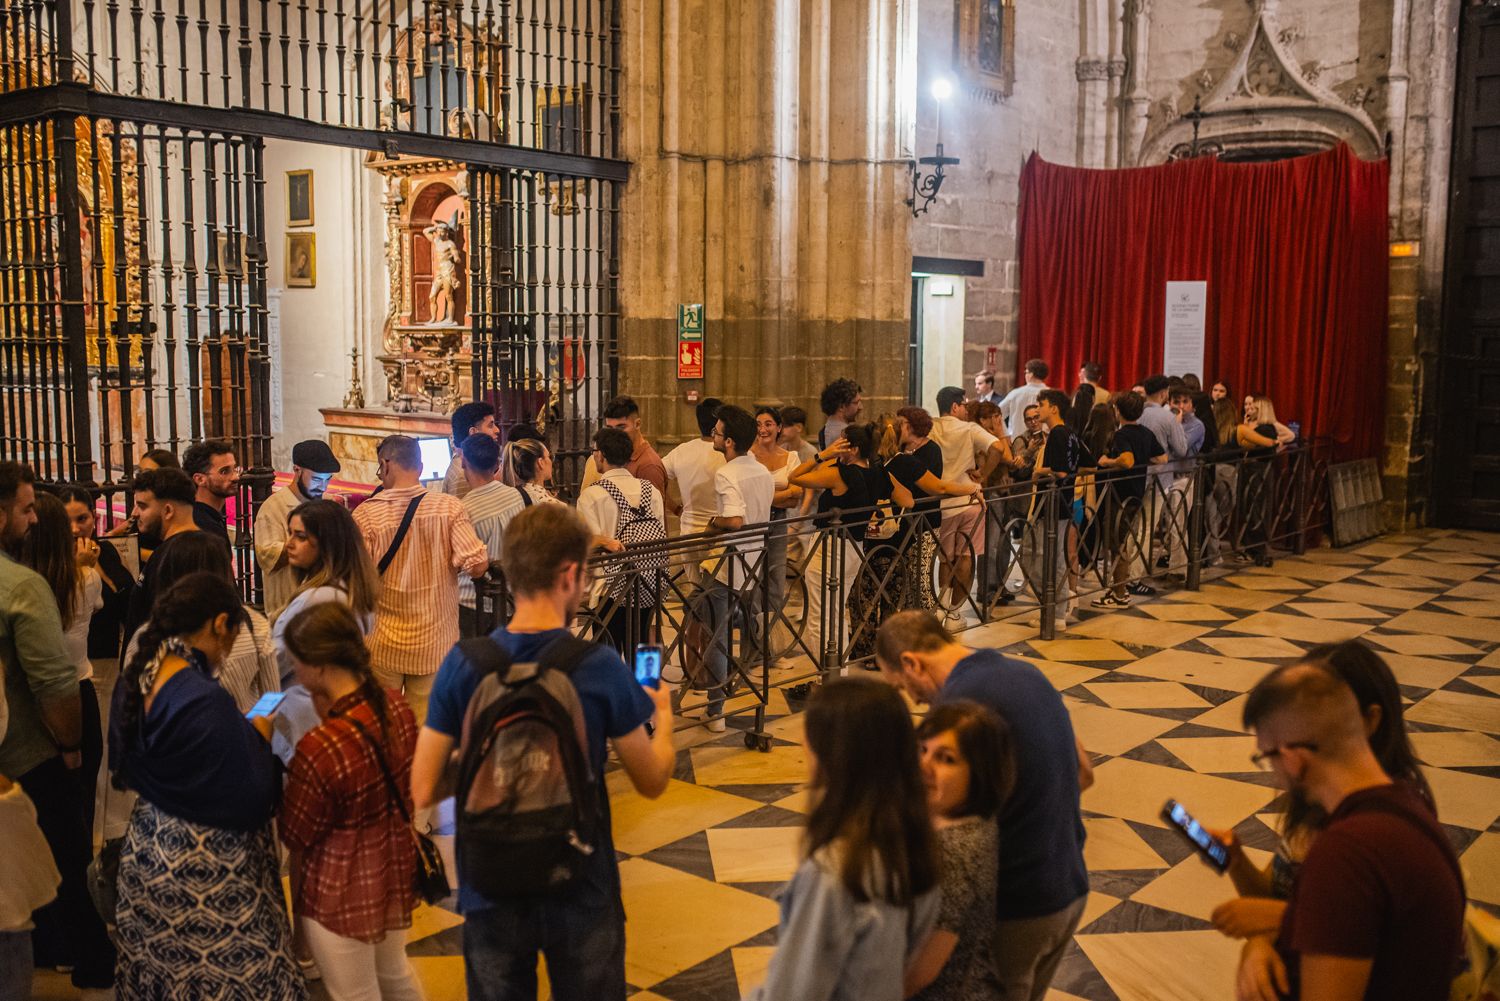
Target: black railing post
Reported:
point(62, 48)
point(1050, 542)
point(1302, 467)
point(70, 262)
point(1201, 474)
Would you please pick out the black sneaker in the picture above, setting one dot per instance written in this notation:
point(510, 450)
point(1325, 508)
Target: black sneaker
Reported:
point(1141, 590)
point(1163, 561)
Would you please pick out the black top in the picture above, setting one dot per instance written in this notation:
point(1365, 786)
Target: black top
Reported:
point(1083, 406)
point(1143, 446)
point(147, 587)
point(104, 628)
point(864, 488)
point(908, 468)
point(1063, 455)
point(211, 521)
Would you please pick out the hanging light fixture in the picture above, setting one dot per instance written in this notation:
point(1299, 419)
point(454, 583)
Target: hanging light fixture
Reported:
point(927, 173)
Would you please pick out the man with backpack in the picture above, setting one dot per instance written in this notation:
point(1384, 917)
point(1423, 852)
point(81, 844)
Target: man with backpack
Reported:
point(531, 708)
point(624, 512)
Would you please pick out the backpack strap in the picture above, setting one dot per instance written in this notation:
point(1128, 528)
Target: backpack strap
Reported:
point(390, 553)
point(485, 654)
point(564, 653)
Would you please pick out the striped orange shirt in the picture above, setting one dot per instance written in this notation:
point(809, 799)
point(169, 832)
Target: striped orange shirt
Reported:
point(416, 618)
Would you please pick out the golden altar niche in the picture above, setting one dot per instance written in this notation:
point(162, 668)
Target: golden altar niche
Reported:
point(425, 343)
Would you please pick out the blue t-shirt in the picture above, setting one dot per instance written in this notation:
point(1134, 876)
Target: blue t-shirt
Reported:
point(1041, 829)
point(613, 705)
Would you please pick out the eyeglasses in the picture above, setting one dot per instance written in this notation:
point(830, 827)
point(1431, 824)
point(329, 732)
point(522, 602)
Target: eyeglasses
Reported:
point(1263, 759)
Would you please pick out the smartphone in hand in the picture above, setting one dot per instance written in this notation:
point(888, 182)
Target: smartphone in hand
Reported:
point(648, 658)
point(265, 705)
point(1210, 847)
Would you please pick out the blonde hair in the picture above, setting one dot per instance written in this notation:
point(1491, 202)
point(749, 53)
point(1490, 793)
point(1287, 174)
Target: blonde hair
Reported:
point(1265, 411)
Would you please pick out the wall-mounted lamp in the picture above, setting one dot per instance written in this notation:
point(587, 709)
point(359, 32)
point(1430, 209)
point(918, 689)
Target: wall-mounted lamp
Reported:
point(925, 183)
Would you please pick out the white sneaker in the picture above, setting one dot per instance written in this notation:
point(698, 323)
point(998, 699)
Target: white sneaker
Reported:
point(716, 724)
point(952, 621)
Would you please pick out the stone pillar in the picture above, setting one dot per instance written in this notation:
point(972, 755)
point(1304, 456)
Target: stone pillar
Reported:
point(767, 183)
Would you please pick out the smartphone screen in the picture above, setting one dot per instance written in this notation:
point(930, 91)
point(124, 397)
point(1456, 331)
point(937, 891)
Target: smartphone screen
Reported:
point(648, 664)
point(1209, 846)
point(266, 704)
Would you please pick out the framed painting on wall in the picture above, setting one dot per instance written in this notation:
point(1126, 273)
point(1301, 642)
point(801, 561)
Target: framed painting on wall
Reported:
point(987, 46)
point(299, 198)
point(301, 260)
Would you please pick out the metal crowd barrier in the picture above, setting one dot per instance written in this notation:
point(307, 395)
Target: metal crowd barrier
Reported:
point(792, 601)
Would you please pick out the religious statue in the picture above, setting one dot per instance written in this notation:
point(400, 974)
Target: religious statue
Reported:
point(445, 267)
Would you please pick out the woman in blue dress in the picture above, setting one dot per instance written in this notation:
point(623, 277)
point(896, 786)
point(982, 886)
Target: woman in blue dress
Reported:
point(201, 912)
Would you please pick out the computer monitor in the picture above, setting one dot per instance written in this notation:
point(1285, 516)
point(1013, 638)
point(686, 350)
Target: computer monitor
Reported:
point(435, 457)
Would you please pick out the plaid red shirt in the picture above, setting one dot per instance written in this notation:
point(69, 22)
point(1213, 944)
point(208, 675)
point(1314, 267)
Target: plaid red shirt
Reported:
point(358, 856)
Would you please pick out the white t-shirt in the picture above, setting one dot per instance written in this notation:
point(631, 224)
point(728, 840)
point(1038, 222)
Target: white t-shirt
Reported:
point(76, 636)
point(963, 443)
point(743, 488)
point(602, 514)
point(28, 876)
point(1013, 407)
point(692, 466)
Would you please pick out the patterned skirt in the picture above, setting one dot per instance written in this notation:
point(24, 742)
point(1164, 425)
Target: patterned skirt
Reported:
point(201, 914)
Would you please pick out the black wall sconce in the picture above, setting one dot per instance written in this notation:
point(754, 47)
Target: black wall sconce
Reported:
point(928, 172)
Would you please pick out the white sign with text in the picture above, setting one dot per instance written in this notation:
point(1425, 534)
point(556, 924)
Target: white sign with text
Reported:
point(1187, 316)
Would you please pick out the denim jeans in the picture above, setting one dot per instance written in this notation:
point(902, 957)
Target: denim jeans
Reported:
point(584, 946)
point(15, 965)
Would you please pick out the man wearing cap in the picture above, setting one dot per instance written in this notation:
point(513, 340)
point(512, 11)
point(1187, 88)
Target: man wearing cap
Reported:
point(313, 465)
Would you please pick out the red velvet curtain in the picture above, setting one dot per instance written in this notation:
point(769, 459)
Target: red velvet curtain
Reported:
point(1294, 254)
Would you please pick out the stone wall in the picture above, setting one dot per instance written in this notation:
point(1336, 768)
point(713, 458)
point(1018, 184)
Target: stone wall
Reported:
point(974, 216)
point(766, 145)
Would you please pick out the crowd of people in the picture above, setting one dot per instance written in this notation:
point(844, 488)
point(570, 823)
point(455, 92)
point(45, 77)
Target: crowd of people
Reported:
point(317, 734)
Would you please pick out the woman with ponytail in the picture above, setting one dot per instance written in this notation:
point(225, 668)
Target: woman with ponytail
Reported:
point(200, 910)
point(353, 856)
point(526, 464)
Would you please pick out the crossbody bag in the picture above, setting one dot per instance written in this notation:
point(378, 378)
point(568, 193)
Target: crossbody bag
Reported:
point(432, 876)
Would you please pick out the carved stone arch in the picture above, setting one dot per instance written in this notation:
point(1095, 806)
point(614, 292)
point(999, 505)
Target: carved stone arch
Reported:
point(1265, 107)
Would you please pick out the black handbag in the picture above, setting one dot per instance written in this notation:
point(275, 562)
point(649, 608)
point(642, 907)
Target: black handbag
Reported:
point(432, 875)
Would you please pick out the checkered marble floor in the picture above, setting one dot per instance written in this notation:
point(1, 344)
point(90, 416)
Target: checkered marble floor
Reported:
point(1155, 693)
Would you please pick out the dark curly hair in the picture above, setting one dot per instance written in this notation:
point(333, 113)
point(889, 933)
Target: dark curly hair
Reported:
point(189, 604)
point(838, 393)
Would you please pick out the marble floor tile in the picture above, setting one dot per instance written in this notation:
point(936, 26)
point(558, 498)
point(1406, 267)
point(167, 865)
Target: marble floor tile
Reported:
point(1136, 790)
point(1185, 611)
point(787, 728)
point(1465, 799)
point(1421, 644)
point(443, 977)
point(1154, 967)
point(1213, 755)
point(1082, 650)
point(1380, 597)
point(1268, 582)
point(1113, 844)
point(998, 634)
point(1056, 995)
point(1424, 672)
point(1492, 659)
point(1190, 668)
point(1308, 570)
point(1489, 682)
point(1226, 596)
point(1335, 610)
point(659, 943)
point(1427, 568)
point(1146, 695)
point(754, 854)
point(1459, 711)
point(1064, 676)
point(1253, 647)
point(1481, 609)
point(1098, 905)
point(1299, 627)
point(1114, 731)
point(784, 764)
point(1141, 632)
point(1193, 887)
point(1482, 589)
point(1456, 749)
point(641, 825)
point(1481, 865)
point(1224, 717)
point(428, 920)
point(751, 963)
point(797, 802)
point(1407, 582)
point(1384, 550)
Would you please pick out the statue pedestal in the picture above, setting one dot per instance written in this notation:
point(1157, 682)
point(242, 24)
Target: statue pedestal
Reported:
point(355, 434)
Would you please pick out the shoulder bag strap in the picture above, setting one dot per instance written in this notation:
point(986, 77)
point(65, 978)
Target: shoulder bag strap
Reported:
point(390, 780)
point(526, 500)
point(485, 654)
point(390, 553)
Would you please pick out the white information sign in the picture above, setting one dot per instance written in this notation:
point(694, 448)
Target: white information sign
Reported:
point(1187, 314)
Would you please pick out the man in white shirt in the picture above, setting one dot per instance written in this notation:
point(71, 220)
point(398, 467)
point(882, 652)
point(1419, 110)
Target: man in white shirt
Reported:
point(313, 466)
point(964, 445)
point(1013, 407)
point(743, 489)
point(491, 505)
point(605, 505)
point(690, 472)
point(471, 418)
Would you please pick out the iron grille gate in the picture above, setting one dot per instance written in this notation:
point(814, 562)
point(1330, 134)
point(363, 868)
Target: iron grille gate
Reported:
point(543, 292)
point(133, 297)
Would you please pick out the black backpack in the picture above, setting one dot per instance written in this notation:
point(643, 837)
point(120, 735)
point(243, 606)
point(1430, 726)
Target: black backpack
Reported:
point(527, 803)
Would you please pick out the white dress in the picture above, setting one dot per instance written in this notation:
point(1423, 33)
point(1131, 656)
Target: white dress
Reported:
point(76, 636)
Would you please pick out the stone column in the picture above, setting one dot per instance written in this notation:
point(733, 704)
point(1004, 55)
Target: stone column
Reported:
point(767, 183)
